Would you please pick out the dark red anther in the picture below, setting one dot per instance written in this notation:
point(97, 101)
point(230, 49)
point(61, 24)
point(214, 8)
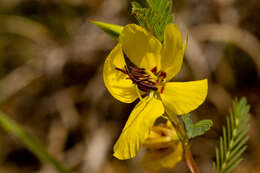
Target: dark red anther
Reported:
point(123, 71)
point(143, 88)
point(139, 77)
point(144, 79)
point(162, 74)
point(136, 69)
point(147, 86)
point(151, 82)
point(154, 70)
point(162, 89)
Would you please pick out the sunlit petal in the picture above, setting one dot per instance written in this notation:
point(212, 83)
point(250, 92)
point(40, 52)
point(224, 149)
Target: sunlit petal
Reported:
point(140, 46)
point(183, 97)
point(173, 51)
point(116, 82)
point(137, 127)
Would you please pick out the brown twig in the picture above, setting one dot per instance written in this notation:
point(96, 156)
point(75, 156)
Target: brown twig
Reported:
point(190, 161)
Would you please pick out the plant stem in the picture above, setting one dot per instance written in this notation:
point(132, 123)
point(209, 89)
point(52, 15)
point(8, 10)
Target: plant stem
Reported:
point(179, 129)
point(190, 161)
point(185, 143)
point(31, 143)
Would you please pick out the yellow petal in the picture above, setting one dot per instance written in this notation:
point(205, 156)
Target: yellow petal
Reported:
point(172, 51)
point(183, 97)
point(141, 47)
point(155, 160)
point(137, 128)
point(161, 136)
point(121, 88)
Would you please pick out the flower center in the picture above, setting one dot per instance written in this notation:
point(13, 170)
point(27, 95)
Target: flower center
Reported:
point(145, 81)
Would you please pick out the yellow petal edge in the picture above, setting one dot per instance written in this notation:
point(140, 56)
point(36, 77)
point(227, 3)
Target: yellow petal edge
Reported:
point(173, 51)
point(141, 47)
point(183, 97)
point(116, 82)
point(137, 128)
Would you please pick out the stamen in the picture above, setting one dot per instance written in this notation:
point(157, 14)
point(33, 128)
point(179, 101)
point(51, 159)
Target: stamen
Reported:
point(162, 89)
point(142, 88)
point(139, 77)
point(137, 70)
point(162, 74)
point(123, 71)
point(148, 86)
point(138, 93)
point(154, 70)
point(151, 94)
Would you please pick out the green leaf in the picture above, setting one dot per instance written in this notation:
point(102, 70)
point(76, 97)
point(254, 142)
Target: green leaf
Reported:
point(111, 29)
point(33, 145)
point(201, 127)
point(198, 129)
point(188, 124)
point(136, 7)
point(153, 15)
point(233, 143)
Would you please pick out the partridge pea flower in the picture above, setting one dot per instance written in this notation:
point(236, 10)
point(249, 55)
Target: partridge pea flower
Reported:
point(141, 65)
point(164, 150)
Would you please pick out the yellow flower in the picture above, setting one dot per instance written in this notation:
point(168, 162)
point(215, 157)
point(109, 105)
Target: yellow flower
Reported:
point(164, 148)
point(150, 65)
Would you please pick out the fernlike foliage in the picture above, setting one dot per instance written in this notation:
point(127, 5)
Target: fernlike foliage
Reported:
point(153, 15)
point(232, 143)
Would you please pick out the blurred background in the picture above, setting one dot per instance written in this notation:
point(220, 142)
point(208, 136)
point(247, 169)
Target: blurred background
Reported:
point(51, 61)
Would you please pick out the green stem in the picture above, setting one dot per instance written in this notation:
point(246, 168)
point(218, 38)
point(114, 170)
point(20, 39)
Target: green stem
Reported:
point(185, 143)
point(10, 126)
point(179, 129)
